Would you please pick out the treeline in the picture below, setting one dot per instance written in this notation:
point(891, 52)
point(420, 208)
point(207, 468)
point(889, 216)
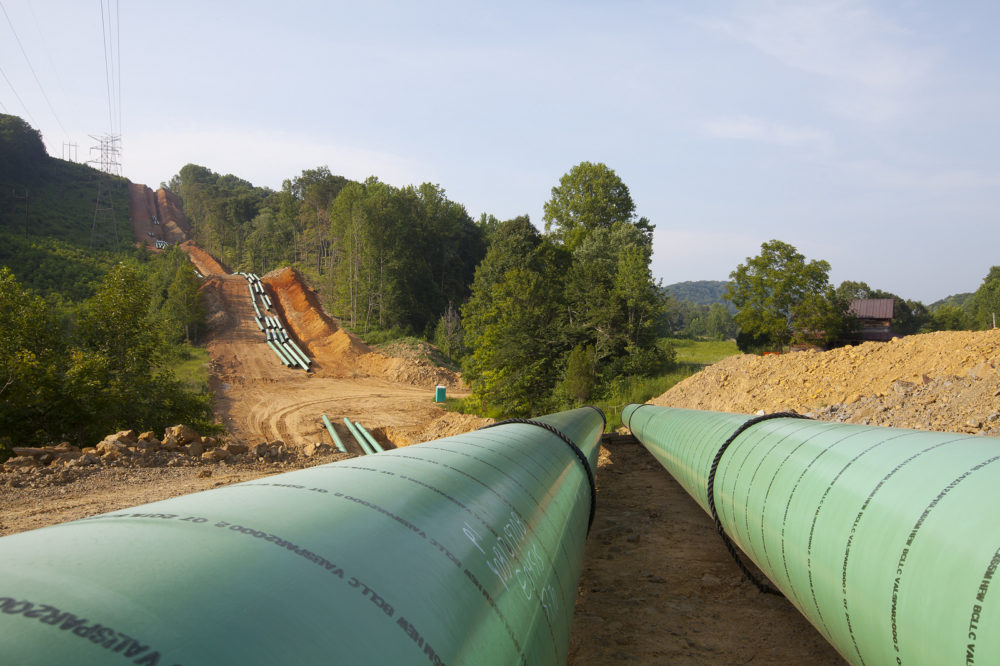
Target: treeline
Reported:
point(538, 319)
point(782, 299)
point(77, 370)
point(383, 257)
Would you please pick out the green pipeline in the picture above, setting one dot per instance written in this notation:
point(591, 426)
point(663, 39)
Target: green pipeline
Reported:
point(886, 539)
point(463, 550)
point(358, 437)
point(333, 434)
point(372, 442)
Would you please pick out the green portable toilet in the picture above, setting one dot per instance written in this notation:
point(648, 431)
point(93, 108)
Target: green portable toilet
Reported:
point(439, 393)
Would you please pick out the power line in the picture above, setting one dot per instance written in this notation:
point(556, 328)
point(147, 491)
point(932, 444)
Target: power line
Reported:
point(14, 90)
point(107, 71)
point(32, 69)
point(60, 86)
point(118, 37)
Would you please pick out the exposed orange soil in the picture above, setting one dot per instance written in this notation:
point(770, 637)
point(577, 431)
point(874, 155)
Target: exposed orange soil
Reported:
point(144, 205)
point(206, 264)
point(172, 217)
point(259, 399)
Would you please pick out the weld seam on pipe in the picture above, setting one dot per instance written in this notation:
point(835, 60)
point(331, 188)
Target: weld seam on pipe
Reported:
point(604, 419)
point(710, 494)
point(629, 424)
point(573, 447)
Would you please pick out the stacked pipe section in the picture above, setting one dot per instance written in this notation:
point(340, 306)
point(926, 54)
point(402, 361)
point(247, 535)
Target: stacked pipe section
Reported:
point(885, 539)
point(464, 550)
point(277, 338)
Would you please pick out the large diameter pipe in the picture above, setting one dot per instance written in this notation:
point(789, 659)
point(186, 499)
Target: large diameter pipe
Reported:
point(465, 550)
point(885, 539)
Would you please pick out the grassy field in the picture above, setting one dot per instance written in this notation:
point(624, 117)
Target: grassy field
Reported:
point(692, 357)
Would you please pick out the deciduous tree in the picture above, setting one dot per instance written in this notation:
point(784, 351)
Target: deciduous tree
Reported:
point(778, 293)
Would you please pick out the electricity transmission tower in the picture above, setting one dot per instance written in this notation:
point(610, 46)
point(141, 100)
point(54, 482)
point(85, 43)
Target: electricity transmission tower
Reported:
point(104, 230)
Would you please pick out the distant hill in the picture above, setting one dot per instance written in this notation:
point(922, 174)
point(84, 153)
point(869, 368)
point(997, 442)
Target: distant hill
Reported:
point(47, 212)
point(961, 300)
point(45, 197)
point(699, 292)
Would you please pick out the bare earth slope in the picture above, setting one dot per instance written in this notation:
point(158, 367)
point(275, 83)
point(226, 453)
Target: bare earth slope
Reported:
point(938, 381)
point(259, 399)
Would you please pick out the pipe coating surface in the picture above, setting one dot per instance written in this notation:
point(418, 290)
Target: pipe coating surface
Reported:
point(463, 550)
point(885, 539)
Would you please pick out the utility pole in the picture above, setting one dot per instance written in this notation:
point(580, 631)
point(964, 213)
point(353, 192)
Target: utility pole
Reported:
point(69, 151)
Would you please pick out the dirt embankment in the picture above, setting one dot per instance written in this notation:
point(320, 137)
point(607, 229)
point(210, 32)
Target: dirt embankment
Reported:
point(949, 381)
point(157, 216)
point(206, 264)
point(338, 353)
point(259, 399)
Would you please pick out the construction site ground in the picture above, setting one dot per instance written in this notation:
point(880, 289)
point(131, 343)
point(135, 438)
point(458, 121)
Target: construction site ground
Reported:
point(657, 586)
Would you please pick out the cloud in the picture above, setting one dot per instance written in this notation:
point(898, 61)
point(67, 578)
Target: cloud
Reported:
point(746, 128)
point(264, 158)
point(866, 56)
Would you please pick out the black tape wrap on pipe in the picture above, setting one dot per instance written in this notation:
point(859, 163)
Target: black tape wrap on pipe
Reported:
point(573, 447)
point(730, 546)
point(629, 424)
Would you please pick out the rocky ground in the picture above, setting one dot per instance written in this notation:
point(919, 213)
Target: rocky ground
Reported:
point(945, 381)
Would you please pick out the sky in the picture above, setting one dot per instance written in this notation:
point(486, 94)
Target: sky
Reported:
point(862, 133)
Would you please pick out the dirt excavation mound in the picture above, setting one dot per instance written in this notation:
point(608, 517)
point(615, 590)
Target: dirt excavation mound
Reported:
point(948, 381)
point(205, 263)
point(336, 352)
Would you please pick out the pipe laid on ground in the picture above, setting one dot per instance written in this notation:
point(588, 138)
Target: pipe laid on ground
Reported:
point(465, 550)
point(281, 354)
point(365, 446)
point(298, 349)
point(257, 321)
point(885, 539)
point(293, 356)
point(334, 435)
point(367, 435)
point(304, 361)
